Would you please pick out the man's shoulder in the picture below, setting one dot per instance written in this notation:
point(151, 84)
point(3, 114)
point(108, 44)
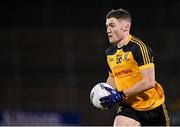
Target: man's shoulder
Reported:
point(111, 50)
point(137, 44)
point(137, 41)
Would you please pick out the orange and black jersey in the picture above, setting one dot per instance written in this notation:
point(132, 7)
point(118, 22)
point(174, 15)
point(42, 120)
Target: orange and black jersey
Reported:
point(125, 65)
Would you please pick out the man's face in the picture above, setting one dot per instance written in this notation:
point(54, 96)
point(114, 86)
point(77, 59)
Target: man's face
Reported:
point(115, 29)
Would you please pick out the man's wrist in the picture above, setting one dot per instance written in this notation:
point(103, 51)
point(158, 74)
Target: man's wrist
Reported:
point(122, 94)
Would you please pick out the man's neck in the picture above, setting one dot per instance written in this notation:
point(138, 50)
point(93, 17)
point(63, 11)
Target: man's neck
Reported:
point(122, 42)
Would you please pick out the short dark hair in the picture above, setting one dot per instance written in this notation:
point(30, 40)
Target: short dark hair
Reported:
point(119, 13)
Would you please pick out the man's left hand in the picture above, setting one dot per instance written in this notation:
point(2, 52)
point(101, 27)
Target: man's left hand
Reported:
point(114, 98)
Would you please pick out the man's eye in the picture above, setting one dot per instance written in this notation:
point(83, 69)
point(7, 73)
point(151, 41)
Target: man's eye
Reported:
point(112, 25)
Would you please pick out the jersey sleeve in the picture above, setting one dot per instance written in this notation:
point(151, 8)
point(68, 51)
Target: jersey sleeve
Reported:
point(143, 56)
point(110, 51)
point(108, 69)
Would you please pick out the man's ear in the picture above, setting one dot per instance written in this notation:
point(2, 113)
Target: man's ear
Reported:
point(127, 27)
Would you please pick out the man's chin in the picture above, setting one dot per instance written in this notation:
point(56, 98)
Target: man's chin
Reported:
point(112, 42)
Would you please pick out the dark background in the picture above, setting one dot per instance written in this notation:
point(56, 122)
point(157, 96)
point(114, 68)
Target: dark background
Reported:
point(52, 53)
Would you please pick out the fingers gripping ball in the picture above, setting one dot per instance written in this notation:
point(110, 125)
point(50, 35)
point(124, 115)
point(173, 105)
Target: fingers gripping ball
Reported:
point(97, 92)
point(114, 98)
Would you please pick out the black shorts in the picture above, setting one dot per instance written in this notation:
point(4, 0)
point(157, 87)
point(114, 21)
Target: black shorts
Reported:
point(155, 117)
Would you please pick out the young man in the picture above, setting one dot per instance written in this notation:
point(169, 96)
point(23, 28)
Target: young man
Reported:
point(131, 72)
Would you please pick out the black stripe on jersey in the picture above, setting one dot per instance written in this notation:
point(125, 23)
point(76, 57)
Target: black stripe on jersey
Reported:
point(143, 48)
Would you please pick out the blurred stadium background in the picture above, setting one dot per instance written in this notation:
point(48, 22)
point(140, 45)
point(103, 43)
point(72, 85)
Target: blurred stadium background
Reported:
point(52, 54)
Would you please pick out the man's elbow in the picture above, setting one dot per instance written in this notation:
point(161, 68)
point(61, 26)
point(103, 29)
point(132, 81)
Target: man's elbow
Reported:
point(150, 84)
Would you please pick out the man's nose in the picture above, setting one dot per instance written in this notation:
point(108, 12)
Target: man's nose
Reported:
point(108, 30)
